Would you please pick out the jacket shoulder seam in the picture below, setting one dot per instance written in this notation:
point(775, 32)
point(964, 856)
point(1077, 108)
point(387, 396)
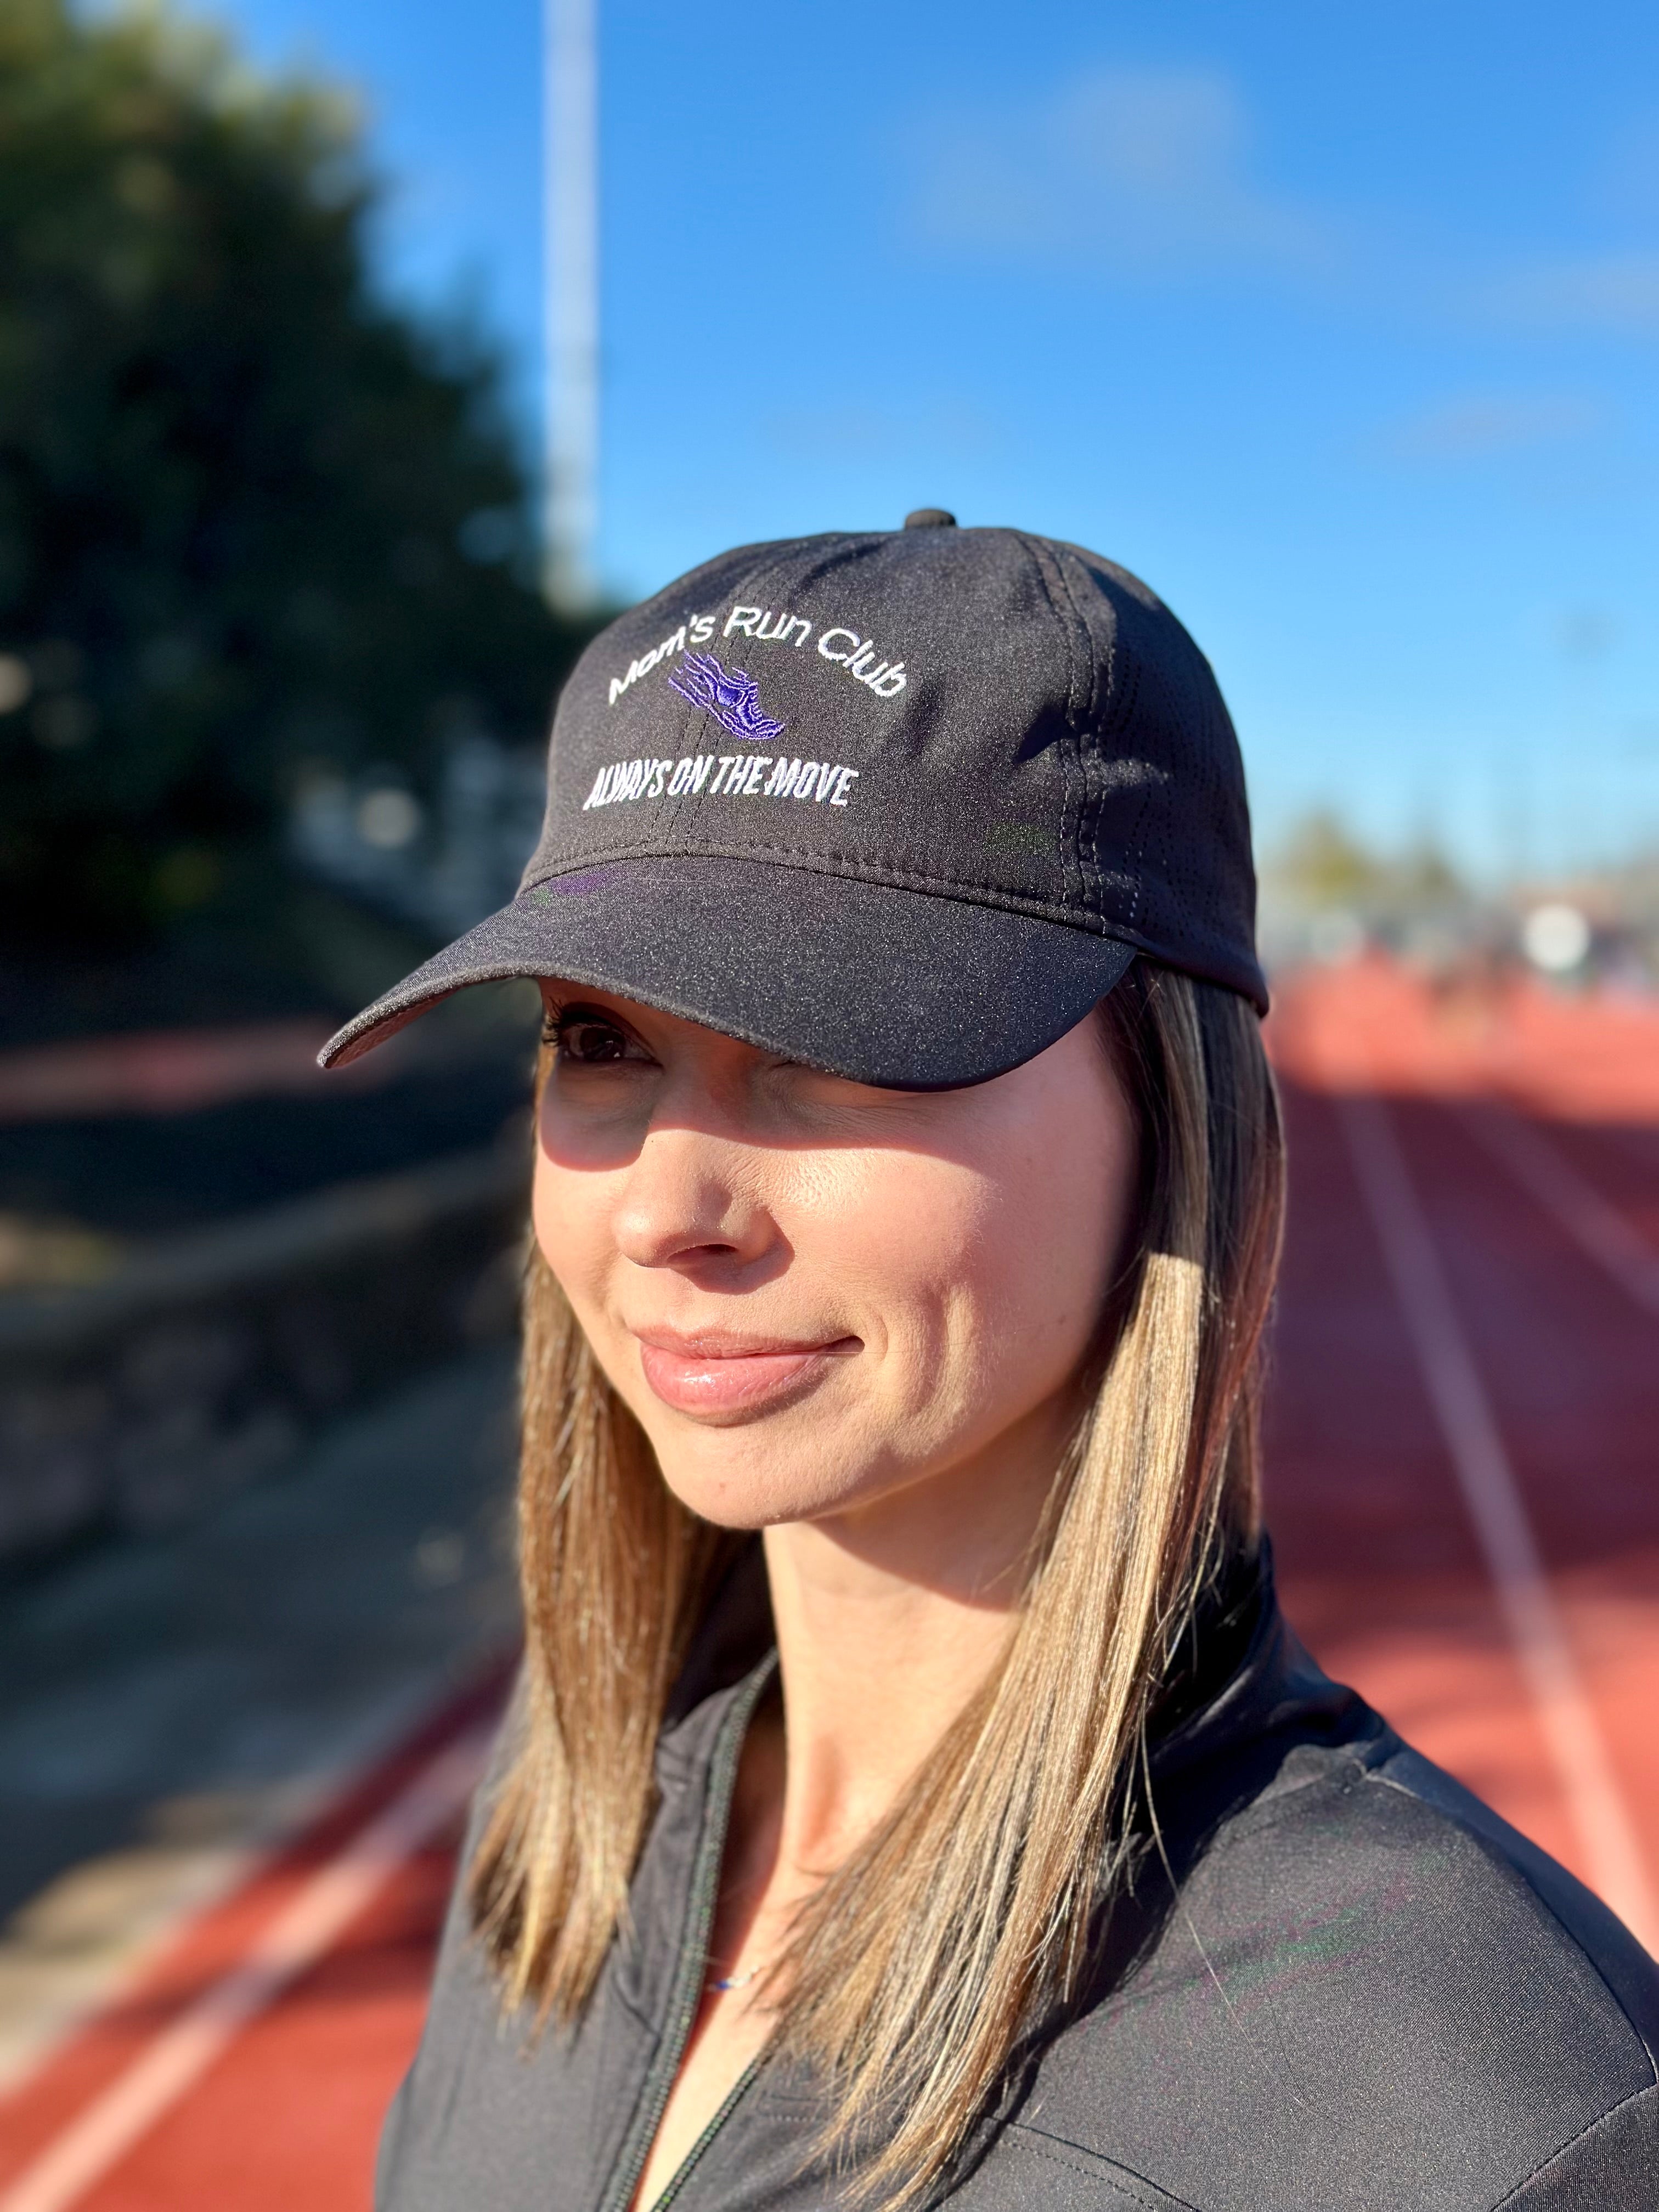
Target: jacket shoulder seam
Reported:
point(1266, 1811)
point(1128, 2184)
point(1486, 1844)
point(1571, 2143)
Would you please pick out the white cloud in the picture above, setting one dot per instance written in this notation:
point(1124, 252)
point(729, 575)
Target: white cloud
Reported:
point(1141, 169)
point(1625, 183)
point(1152, 173)
point(1615, 292)
point(1473, 426)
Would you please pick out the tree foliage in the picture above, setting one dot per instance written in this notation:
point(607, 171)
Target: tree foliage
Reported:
point(1321, 863)
point(251, 516)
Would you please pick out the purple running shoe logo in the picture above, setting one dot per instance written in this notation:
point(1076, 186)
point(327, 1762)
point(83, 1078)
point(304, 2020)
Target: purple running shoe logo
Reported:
point(732, 697)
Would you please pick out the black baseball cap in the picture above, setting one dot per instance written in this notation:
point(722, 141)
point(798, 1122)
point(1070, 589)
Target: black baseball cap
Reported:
point(902, 805)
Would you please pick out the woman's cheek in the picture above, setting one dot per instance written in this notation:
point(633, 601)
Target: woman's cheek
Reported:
point(922, 1250)
point(547, 1219)
point(1026, 1286)
point(574, 1240)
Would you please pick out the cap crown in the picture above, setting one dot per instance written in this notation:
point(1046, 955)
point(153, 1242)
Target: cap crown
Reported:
point(982, 714)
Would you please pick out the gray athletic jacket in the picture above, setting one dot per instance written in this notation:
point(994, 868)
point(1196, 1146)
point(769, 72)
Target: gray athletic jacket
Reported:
point(1362, 1990)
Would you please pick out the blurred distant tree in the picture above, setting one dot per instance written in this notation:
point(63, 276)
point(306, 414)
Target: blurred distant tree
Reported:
point(252, 517)
point(1426, 875)
point(1322, 862)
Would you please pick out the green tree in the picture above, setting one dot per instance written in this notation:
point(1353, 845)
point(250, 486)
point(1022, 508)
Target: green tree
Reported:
point(252, 518)
point(1322, 864)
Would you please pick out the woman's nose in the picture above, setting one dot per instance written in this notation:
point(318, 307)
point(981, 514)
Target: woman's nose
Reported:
point(686, 1204)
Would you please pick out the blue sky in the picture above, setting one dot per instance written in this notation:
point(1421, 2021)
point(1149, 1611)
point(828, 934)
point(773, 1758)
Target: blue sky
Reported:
point(1340, 326)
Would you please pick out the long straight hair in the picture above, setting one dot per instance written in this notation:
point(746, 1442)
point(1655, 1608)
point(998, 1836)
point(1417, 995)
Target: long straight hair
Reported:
point(925, 1961)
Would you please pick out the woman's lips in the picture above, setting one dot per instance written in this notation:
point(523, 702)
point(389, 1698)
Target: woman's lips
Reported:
point(733, 1377)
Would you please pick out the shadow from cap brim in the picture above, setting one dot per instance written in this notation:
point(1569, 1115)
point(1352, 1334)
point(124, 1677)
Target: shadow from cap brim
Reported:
point(803, 1109)
point(906, 990)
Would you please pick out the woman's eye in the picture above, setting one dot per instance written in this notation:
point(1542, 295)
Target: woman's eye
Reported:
point(587, 1038)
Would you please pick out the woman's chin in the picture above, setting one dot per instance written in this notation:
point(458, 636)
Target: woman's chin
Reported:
point(764, 1487)
point(734, 1502)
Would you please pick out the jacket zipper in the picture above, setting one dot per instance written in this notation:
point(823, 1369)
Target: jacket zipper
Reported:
point(683, 2173)
point(687, 1993)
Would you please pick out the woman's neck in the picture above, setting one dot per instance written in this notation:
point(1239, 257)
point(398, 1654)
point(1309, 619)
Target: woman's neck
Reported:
point(889, 1619)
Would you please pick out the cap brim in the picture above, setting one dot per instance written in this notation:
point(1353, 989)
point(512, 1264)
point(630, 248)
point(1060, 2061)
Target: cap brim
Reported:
point(907, 989)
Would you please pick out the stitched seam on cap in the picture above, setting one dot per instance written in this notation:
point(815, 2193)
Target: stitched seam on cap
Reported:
point(855, 866)
point(845, 865)
point(1137, 869)
point(1071, 858)
point(1090, 803)
point(1231, 977)
point(1117, 714)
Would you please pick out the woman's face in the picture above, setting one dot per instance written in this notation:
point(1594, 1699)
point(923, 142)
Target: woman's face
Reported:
point(812, 1294)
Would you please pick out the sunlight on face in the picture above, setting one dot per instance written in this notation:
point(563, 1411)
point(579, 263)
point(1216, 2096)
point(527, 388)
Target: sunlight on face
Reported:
point(811, 1293)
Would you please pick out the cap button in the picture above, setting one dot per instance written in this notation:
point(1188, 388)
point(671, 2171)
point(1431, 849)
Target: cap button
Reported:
point(929, 517)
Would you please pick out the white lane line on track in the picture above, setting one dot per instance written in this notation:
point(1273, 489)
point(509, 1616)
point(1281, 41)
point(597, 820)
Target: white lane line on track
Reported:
point(1595, 1225)
point(1606, 1834)
point(101, 2133)
point(154, 1901)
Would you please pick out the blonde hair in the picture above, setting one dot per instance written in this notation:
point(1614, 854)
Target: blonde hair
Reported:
point(927, 1960)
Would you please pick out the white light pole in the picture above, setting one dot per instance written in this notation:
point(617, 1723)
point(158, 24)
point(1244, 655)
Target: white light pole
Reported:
point(571, 294)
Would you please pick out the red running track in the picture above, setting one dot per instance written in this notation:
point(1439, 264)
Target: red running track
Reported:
point(251, 2064)
point(1462, 1459)
point(1380, 1556)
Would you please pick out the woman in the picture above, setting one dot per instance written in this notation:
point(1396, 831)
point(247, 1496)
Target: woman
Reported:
point(907, 1191)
